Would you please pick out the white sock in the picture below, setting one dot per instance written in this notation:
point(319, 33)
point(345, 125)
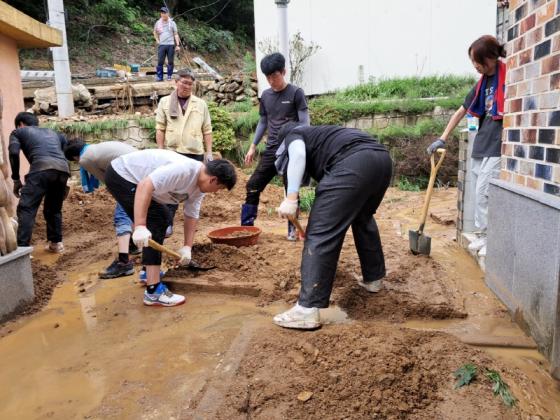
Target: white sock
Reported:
point(304, 309)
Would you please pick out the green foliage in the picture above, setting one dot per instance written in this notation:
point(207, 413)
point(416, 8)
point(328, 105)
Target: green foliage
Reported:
point(406, 184)
point(306, 199)
point(244, 106)
point(82, 128)
point(330, 110)
point(465, 375)
point(427, 127)
point(113, 14)
point(500, 388)
point(409, 87)
point(249, 64)
point(277, 180)
point(223, 136)
point(245, 123)
point(204, 38)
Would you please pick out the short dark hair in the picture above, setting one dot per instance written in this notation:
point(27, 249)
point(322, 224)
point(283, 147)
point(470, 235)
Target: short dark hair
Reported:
point(286, 129)
point(223, 170)
point(185, 73)
point(273, 62)
point(27, 118)
point(74, 148)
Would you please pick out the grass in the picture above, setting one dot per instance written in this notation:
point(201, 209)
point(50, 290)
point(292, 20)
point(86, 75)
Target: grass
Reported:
point(245, 123)
point(81, 128)
point(306, 199)
point(500, 388)
point(409, 87)
point(428, 127)
point(244, 106)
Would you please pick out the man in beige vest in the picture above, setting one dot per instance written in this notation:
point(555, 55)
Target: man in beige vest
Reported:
point(183, 124)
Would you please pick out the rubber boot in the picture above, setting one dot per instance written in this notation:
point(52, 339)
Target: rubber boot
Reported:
point(169, 72)
point(248, 214)
point(293, 234)
point(159, 73)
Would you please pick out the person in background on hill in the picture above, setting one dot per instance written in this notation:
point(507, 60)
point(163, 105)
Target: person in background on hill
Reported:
point(46, 179)
point(144, 183)
point(183, 124)
point(280, 104)
point(485, 101)
point(167, 38)
point(353, 171)
point(94, 160)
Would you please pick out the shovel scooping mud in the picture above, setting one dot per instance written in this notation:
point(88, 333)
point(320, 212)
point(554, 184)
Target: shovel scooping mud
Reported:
point(192, 265)
point(420, 243)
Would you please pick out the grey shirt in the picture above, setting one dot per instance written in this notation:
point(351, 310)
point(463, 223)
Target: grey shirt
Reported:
point(97, 157)
point(166, 31)
point(488, 140)
point(280, 108)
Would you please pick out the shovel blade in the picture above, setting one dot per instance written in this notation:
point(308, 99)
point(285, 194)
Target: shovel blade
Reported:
point(419, 243)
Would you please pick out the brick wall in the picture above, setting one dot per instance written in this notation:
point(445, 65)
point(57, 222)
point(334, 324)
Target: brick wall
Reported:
point(531, 142)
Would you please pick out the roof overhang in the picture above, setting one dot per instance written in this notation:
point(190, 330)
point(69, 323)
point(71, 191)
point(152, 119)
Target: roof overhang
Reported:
point(26, 31)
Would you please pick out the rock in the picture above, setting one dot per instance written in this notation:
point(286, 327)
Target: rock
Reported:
point(251, 93)
point(305, 396)
point(255, 86)
point(232, 87)
point(240, 98)
point(221, 88)
point(240, 90)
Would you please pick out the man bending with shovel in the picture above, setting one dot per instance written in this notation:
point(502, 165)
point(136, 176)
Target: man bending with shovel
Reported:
point(144, 183)
point(353, 172)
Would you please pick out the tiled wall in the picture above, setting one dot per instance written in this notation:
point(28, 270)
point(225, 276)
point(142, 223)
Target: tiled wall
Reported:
point(531, 142)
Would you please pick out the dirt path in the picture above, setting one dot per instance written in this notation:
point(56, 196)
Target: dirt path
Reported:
point(96, 352)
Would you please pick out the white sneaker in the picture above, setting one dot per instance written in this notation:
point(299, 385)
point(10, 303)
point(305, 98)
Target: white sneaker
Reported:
point(482, 252)
point(169, 231)
point(372, 286)
point(55, 247)
point(162, 296)
point(299, 317)
point(477, 244)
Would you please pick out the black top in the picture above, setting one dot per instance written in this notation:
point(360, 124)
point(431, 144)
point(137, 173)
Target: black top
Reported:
point(280, 108)
point(488, 140)
point(42, 147)
point(324, 144)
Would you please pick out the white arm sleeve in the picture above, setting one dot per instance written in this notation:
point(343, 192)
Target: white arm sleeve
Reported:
point(296, 165)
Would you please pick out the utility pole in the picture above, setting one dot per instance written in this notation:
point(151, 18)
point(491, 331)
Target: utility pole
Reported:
point(62, 76)
point(284, 42)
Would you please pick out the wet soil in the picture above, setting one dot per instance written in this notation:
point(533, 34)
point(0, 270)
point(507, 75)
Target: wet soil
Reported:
point(219, 356)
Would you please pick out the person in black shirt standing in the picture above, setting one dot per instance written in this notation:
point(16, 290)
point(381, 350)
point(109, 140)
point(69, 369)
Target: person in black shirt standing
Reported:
point(485, 101)
point(46, 179)
point(280, 104)
point(353, 172)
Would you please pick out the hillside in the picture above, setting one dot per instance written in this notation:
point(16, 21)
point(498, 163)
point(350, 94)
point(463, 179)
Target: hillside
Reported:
point(106, 32)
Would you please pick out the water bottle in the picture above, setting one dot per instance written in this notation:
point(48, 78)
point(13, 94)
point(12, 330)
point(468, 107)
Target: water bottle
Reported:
point(472, 123)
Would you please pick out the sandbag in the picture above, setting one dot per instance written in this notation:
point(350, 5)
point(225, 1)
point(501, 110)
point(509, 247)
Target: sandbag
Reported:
point(11, 240)
point(3, 247)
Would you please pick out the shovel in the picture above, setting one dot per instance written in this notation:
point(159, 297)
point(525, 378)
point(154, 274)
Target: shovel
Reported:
point(420, 243)
point(193, 266)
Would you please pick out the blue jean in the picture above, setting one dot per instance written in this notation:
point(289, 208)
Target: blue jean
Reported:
point(123, 224)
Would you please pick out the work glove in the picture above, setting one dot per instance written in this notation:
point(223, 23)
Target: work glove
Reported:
point(17, 187)
point(141, 236)
point(209, 157)
point(288, 208)
point(185, 253)
point(438, 144)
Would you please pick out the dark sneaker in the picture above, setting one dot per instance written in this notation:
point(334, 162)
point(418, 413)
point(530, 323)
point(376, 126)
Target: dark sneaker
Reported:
point(117, 269)
point(133, 249)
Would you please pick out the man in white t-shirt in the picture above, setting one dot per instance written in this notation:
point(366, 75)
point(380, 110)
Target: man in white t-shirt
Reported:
point(144, 183)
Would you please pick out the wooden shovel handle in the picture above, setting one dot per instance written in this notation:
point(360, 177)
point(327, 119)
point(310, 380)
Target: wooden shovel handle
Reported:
point(297, 224)
point(161, 248)
point(434, 169)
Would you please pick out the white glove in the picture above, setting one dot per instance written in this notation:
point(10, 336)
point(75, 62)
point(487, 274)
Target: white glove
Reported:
point(185, 253)
point(141, 236)
point(287, 208)
point(209, 157)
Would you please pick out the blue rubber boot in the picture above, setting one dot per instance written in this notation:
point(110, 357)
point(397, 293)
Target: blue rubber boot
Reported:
point(159, 73)
point(248, 214)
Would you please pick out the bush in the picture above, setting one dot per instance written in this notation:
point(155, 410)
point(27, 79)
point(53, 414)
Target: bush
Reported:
point(222, 129)
point(306, 199)
point(204, 38)
point(114, 14)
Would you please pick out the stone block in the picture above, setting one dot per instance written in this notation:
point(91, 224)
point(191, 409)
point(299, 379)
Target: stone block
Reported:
point(16, 281)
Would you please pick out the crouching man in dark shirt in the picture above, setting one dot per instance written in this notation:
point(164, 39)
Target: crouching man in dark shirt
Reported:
point(46, 179)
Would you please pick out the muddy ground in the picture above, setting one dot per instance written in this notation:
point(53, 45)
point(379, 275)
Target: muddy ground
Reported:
point(364, 364)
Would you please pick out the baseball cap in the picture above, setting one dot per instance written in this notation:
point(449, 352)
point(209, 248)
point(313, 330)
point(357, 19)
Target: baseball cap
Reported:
point(164, 10)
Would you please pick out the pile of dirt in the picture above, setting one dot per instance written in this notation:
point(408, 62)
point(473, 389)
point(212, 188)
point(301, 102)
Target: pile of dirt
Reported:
point(361, 371)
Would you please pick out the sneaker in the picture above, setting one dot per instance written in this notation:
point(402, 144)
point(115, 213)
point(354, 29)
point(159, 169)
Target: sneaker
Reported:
point(292, 233)
point(372, 286)
point(299, 317)
point(117, 269)
point(133, 249)
point(482, 252)
point(142, 277)
point(162, 297)
point(55, 247)
point(477, 244)
point(169, 231)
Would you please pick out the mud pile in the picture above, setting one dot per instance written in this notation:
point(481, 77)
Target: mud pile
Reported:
point(360, 371)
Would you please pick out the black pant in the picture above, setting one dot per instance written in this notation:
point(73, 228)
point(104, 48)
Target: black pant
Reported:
point(348, 195)
point(173, 207)
point(51, 185)
point(263, 174)
point(163, 51)
point(158, 214)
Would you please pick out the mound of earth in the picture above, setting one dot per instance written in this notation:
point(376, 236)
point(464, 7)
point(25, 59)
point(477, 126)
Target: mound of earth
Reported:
point(361, 371)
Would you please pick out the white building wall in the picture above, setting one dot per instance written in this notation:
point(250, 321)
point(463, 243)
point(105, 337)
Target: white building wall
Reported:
point(385, 38)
